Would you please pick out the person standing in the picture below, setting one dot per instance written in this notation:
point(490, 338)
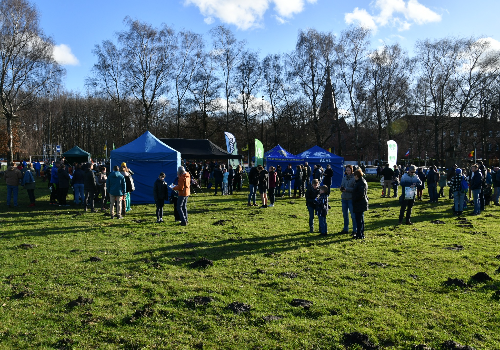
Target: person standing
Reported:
point(420, 187)
point(12, 177)
point(117, 187)
point(311, 194)
point(273, 180)
point(263, 185)
point(346, 187)
point(279, 181)
point(89, 187)
point(287, 175)
point(159, 194)
point(328, 175)
point(238, 178)
point(297, 184)
point(37, 166)
point(230, 180)
point(218, 179)
point(64, 181)
point(78, 182)
point(442, 183)
point(225, 182)
point(496, 185)
point(130, 187)
point(306, 169)
point(476, 183)
point(458, 191)
point(101, 183)
point(54, 184)
point(395, 180)
point(322, 209)
point(183, 188)
point(432, 181)
point(410, 180)
point(388, 175)
point(360, 203)
point(253, 181)
point(29, 184)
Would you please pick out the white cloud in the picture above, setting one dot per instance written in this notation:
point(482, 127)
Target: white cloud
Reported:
point(494, 45)
point(63, 55)
point(247, 14)
point(361, 17)
point(399, 13)
point(280, 20)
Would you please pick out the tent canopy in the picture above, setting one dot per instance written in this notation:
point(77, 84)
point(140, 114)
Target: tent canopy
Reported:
point(199, 149)
point(279, 156)
point(76, 155)
point(147, 157)
point(317, 155)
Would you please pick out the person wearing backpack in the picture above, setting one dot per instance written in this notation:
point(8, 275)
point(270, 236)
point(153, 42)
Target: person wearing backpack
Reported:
point(459, 186)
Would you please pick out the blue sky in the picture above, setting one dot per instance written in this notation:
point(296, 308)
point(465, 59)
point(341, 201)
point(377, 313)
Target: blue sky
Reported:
point(269, 26)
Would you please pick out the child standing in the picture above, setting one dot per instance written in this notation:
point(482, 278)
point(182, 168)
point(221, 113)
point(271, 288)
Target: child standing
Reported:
point(311, 195)
point(322, 209)
point(159, 192)
point(225, 183)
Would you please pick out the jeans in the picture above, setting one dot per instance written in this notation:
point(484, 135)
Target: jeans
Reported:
point(89, 199)
point(225, 188)
point(251, 195)
point(395, 189)
point(475, 200)
point(159, 210)
point(270, 194)
point(323, 228)
point(496, 194)
point(289, 185)
point(432, 188)
point(182, 209)
point(12, 192)
point(458, 199)
point(407, 205)
point(346, 208)
point(78, 189)
point(311, 218)
point(360, 223)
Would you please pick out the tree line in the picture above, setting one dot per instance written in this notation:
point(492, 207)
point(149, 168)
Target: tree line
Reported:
point(332, 91)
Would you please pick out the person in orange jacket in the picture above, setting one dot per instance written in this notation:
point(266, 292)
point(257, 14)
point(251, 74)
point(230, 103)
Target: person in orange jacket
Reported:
point(183, 188)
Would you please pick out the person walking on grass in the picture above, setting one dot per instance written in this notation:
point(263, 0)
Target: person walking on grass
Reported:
point(12, 177)
point(322, 209)
point(411, 181)
point(360, 202)
point(184, 190)
point(117, 187)
point(159, 193)
point(312, 193)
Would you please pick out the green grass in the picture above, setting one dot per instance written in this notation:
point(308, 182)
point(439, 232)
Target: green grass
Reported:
point(389, 286)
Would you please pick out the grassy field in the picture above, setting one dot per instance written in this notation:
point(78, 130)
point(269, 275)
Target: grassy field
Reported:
point(74, 280)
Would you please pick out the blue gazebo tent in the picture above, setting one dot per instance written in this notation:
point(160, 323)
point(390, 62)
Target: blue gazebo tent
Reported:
point(279, 156)
point(317, 155)
point(147, 157)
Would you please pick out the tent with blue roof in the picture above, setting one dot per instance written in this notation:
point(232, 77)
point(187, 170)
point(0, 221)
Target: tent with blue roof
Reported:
point(147, 157)
point(317, 155)
point(279, 156)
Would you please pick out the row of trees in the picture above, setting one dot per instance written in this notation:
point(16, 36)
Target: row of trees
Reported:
point(331, 91)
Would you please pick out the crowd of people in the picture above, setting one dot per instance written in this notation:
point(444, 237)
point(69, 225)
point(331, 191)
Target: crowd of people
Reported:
point(92, 186)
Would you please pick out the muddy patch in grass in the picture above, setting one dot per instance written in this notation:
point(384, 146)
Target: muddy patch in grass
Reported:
point(271, 318)
point(238, 307)
point(198, 301)
point(378, 264)
point(80, 301)
point(453, 345)
point(357, 338)
point(95, 259)
point(290, 275)
point(456, 247)
point(306, 304)
point(480, 277)
point(146, 311)
point(455, 282)
point(27, 246)
point(220, 223)
point(203, 263)
point(438, 222)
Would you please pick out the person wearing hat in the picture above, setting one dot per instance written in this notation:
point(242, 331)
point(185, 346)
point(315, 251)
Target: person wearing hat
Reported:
point(410, 179)
point(458, 191)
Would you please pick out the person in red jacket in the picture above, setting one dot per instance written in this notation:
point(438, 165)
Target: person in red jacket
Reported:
point(183, 188)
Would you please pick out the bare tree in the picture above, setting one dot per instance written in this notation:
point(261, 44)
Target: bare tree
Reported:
point(149, 62)
point(227, 51)
point(273, 84)
point(188, 58)
point(27, 64)
point(351, 52)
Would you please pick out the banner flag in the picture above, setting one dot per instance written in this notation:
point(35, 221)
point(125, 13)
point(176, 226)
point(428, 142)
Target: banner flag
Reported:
point(471, 154)
point(259, 153)
point(231, 148)
point(245, 148)
point(407, 153)
point(392, 153)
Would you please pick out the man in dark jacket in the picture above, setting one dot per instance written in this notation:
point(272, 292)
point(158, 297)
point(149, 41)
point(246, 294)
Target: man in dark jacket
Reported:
point(54, 184)
point(432, 181)
point(64, 179)
point(306, 170)
point(475, 185)
point(218, 177)
point(311, 194)
point(450, 175)
point(253, 181)
point(287, 176)
point(89, 187)
point(159, 195)
point(388, 174)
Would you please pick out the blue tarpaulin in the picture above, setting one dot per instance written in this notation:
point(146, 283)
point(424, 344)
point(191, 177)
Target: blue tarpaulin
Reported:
point(279, 156)
point(147, 157)
point(318, 155)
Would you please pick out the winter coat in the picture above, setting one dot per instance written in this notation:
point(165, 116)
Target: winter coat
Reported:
point(129, 181)
point(407, 180)
point(456, 183)
point(307, 171)
point(288, 174)
point(263, 180)
point(476, 181)
point(29, 180)
point(63, 176)
point(218, 175)
point(298, 175)
point(89, 182)
point(322, 205)
point(12, 176)
point(311, 195)
point(348, 183)
point(78, 177)
point(184, 186)
point(273, 179)
point(431, 177)
point(54, 179)
point(253, 176)
point(387, 173)
point(360, 196)
point(442, 180)
point(422, 178)
point(101, 179)
point(115, 183)
point(160, 190)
